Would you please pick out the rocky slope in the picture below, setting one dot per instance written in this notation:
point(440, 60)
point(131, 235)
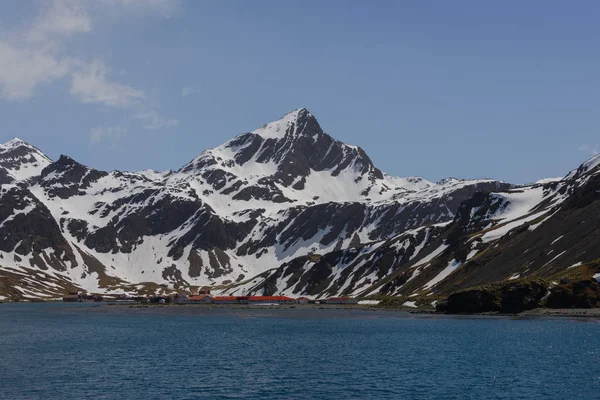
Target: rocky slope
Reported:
point(19, 162)
point(266, 199)
point(533, 231)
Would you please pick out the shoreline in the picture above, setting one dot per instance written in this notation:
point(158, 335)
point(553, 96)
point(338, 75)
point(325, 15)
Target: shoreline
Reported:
point(589, 313)
point(583, 313)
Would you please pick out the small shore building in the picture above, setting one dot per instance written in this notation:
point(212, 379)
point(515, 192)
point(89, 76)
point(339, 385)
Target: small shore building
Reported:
point(226, 300)
point(73, 297)
point(200, 299)
point(181, 299)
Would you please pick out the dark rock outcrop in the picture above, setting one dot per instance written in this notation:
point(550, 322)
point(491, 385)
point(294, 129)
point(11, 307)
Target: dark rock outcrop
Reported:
point(510, 298)
point(580, 294)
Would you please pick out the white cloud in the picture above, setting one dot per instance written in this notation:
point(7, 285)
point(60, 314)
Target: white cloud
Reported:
point(106, 133)
point(23, 69)
point(151, 120)
point(90, 84)
point(34, 57)
point(62, 18)
point(31, 56)
point(188, 90)
point(34, 54)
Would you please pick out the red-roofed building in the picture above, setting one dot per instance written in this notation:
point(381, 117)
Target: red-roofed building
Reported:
point(227, 300)
point(200, 299)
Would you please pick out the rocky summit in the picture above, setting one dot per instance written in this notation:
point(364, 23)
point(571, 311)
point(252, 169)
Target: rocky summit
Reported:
point(285, 209)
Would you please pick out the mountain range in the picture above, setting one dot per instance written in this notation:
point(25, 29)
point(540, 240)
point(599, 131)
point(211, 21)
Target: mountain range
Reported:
point(285, 209)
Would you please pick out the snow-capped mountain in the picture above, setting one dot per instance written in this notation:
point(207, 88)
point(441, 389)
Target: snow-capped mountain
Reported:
point(263, 200)
point(20, 161)
point(533, 231)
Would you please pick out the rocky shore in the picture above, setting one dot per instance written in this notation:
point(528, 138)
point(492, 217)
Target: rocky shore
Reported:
point(516, 297)
point(333, 311)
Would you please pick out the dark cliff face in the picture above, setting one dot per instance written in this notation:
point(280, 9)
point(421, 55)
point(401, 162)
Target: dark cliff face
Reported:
point(306, 147)
point(342, 221)
point(301, 148)
point(27, 229)
point(66, 178)
point(578, 294)
point(508, 298)
point(359, 269)
point(402, 217)
point(5, 177)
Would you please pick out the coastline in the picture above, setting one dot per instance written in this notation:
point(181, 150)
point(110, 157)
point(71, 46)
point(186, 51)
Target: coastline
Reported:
point(337, 310)
point(564, 312)
point(333, 310)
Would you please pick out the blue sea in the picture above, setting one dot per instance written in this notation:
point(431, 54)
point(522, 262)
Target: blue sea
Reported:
point(91, 351)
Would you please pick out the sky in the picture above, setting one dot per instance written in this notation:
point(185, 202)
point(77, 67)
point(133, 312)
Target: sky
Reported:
point(507, 90)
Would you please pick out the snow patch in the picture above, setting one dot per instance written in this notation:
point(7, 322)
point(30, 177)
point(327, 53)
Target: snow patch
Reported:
point(452, 266)
point(369, 302)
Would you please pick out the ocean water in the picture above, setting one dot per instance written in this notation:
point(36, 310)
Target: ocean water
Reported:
point(62, 351)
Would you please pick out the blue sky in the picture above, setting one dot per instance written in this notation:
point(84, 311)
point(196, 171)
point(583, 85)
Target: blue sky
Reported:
point(470, 89)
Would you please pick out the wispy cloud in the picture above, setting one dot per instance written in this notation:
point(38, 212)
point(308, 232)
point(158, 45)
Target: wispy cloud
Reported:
point(35, 53)
point(106, 133)
point(152, 120)
point(23, 69)
point(91, 84)
point(60, 18)
point(188, 90)
point(589, 150)
point(32, 55)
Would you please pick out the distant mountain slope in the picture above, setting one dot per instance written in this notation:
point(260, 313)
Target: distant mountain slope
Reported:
point(529, 231)
point(264, 199)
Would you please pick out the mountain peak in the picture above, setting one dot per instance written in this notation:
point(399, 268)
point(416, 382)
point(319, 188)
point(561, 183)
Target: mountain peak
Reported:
point(299, 111)
point(19, 148)
point(293, 123)
point(297, 115)
point(14, 143)
point(21, 161)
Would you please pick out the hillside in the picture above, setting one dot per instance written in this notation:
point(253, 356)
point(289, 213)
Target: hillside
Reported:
point(284, 209)
point(533, 231)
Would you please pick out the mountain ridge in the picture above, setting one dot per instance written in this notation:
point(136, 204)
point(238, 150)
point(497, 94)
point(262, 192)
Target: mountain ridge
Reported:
point(257, 203)
point(529, 232)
